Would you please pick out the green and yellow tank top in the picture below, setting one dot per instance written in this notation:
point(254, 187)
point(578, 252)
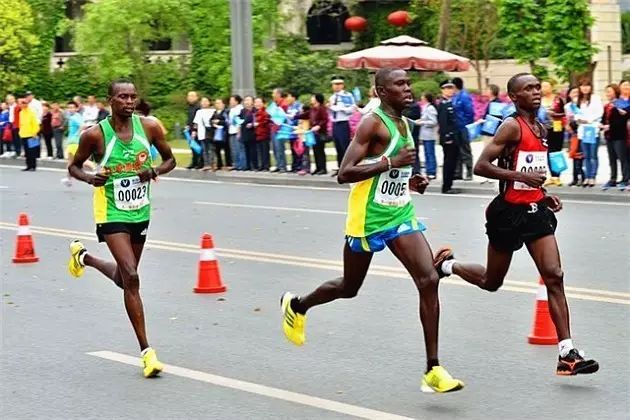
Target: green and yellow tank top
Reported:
point(382, 202)
point(123, 198)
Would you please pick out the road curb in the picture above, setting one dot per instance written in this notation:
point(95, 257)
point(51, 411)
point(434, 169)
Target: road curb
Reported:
point(328, 182)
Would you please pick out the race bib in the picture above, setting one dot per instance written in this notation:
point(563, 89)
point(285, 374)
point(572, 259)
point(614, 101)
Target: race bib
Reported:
point(530, 162)
point(393, 188)
point(130, 193)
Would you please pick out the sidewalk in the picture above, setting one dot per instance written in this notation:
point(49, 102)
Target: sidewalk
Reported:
point(474, 187)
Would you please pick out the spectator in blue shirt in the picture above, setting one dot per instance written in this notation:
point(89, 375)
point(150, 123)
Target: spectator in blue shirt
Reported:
point(294, 107)
point(464, 115)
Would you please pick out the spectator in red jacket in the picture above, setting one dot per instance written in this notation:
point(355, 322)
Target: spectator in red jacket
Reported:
point(262, 127)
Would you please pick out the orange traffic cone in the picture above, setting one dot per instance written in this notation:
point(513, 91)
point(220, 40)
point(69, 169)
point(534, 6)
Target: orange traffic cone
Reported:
point(209, 278)
point(24, 250)
point(543, 332)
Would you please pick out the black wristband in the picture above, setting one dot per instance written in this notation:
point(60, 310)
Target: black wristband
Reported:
point(153, 173)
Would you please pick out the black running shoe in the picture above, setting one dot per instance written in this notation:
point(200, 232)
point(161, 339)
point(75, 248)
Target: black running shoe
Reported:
point(574, 364)
point(443, 254)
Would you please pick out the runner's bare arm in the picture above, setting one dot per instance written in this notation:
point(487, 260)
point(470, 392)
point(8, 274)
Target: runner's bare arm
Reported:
point(351, 170)
point(87, 144)
point(507, 135)
point(156, 137)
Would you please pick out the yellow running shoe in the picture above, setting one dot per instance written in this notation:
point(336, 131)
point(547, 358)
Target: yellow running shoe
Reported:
point(292, 323)
point(152, 366)
point(74, 265)
point(439, 380)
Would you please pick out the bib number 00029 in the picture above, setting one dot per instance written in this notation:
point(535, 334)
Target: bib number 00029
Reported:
point(130, 193)
point(530, 162)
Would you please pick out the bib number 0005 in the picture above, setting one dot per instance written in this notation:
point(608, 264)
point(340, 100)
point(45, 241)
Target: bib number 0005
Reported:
point(396, 189)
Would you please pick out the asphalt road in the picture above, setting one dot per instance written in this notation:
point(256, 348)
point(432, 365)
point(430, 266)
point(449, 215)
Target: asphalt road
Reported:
point(66, 343)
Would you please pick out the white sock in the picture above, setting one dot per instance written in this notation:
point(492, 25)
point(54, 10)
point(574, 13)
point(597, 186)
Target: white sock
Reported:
point(565, 346)
point(82, 257)
point(143, 352)
point(447, 266)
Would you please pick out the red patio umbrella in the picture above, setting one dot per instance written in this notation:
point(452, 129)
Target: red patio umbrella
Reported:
point(404, 52)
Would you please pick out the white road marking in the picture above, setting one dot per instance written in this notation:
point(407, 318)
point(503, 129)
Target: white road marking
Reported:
point(253, 206)
point(253, 388)
point(344, 190)
point(3, 187)
point(582, 293)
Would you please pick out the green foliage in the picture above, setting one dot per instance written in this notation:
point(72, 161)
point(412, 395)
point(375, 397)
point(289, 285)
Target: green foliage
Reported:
point(625, 32)
point(567, 25)
point(47, 14)
point(522, 30)
point(209, 33)
point(76, 79)
point(422, 86)
point(423, 25)
point(16, 42)
point(117, 32)
point(473, 29)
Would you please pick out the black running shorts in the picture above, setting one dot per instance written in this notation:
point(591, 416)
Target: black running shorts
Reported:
point(137, 231)
point(509, 226)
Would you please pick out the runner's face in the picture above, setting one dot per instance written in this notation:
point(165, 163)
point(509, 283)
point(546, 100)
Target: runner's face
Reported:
point(397, 90)
point(123, 101)
point(527, 93)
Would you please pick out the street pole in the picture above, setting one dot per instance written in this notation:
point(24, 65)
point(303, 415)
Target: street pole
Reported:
point(241, 42)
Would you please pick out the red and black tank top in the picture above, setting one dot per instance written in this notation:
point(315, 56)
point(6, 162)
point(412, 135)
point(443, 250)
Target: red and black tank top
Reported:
point(530, 155)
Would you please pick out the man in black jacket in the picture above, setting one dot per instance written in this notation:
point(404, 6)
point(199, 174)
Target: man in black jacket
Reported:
point(448, 136)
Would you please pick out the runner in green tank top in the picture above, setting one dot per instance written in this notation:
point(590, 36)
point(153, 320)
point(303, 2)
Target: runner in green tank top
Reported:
point(381, 213)
point(122, 199)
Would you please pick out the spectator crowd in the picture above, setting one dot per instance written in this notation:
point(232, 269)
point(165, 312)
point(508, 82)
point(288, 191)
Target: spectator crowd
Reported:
point(242, 134)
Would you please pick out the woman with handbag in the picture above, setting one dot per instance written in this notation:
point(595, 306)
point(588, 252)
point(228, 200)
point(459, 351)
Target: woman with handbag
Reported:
point(591, 112)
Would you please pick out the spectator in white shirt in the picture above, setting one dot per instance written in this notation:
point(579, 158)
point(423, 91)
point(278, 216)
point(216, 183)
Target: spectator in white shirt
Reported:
point(203, 126)
point(342, 105)
point(35, 105)
point(90, 111)
point(236, 146)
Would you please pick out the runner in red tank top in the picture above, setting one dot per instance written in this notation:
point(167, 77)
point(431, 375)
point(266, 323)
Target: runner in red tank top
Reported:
point(522, 214)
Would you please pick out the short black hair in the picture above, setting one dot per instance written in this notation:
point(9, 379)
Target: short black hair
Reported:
point(494, 89)
point(382, 76)
point(292, 93)
point(73, 103)
point(123, 81)
point(237, 98)
point(458, 82)
point(430, 98)
point(514, 79)
point(319, 98)
point(143, 107)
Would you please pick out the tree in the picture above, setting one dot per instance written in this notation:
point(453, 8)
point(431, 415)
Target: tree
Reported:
point(473, 29)
point(523, 32)
point(47, 14)
point(445, 19)
point(16, 40)
point(625, 33)
point(568, 29)
point(117, 34)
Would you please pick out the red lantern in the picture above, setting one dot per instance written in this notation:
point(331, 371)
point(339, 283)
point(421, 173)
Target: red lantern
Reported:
point(399, 18)
point(355, 23)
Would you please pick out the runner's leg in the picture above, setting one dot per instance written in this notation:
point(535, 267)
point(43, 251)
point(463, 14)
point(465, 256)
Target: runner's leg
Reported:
point(414, 253)
point(489, 278)
point(545, 253)
point(127, 259)
point(355, 267)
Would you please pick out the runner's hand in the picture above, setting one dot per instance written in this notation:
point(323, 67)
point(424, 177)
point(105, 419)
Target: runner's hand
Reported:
point(145, 175)
point(405, 157)
point(532, 179)
point(418, 183)
point(554, 203)
point(99, 179)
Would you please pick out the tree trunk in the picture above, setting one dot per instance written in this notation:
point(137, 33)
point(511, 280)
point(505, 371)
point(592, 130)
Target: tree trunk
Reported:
point(479, 72)
point(445, 17)
point(532, 66)
point(575, 77)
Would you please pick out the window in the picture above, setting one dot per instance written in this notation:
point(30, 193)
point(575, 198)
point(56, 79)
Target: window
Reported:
point(324, 23)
